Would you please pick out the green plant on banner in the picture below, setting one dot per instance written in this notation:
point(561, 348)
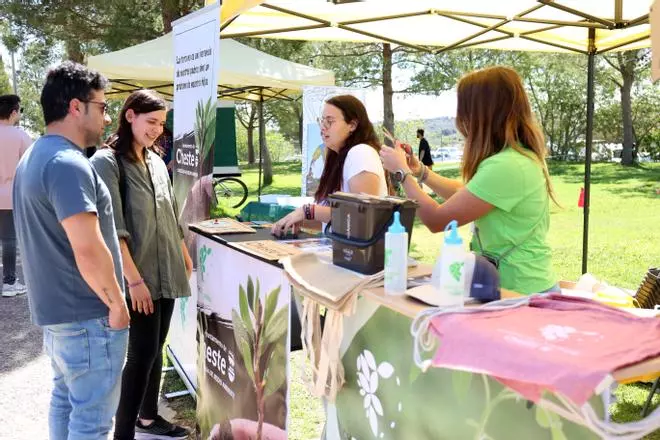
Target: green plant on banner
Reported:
point(461, 382)
point(205, 127)
point(258, 331)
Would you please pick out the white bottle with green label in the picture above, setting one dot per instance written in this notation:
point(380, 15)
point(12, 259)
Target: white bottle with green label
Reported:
point(396, 258)
point(449, 271)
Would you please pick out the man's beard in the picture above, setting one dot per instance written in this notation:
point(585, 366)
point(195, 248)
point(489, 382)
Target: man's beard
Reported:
point(92, 138)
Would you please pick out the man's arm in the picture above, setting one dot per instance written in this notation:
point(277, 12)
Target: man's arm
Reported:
point(95, 264)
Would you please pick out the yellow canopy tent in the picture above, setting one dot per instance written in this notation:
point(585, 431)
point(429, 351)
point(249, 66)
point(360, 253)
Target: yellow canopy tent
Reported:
point(589, 27)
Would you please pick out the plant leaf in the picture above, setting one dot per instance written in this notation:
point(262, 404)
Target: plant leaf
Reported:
point(461, 381)
point(542, 417)
point(271, 303)
point(557, 433)
point(276, 370)
point(245, 311)
point(278, 325)
point(247, 359)
point(243, 342)
point(250, 294)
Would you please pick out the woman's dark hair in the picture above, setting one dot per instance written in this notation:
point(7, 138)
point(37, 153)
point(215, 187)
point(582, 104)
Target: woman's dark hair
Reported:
point(352, 109)
point(140, 101)
point(68, 81)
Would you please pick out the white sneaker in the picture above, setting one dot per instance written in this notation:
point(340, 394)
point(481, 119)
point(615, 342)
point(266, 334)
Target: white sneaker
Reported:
point(9, 290)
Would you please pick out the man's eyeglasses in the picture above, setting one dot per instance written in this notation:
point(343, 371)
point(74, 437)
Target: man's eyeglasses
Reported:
point(104, 105)
point(325, 122)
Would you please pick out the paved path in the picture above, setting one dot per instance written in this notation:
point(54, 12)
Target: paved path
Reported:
point(24, 373)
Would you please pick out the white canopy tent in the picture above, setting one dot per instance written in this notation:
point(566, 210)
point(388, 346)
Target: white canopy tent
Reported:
point(245, 73)
point(590, 27)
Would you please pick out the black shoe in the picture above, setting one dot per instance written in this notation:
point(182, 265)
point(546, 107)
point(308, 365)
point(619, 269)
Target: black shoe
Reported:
point(160, 429)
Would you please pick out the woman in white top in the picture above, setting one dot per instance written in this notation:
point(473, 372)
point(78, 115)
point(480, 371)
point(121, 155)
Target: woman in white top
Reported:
point(352, 163)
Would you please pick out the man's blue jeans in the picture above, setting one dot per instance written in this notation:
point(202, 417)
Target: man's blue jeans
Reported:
point(87, 358)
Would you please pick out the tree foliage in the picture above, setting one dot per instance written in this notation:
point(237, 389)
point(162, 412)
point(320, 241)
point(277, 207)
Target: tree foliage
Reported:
point(5, 85)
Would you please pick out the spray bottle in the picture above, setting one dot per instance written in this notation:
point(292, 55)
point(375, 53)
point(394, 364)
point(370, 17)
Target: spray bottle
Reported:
point(396, 258)
point(449, 271)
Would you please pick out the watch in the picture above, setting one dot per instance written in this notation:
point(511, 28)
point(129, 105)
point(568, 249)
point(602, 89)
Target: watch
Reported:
point(400, 175)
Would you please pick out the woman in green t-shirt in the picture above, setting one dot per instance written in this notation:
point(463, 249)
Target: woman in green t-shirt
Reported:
point(506, 187)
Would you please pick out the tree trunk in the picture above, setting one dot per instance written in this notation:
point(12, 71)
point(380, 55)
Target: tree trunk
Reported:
point(250, 144)
point(268, 166)
point(626, 115)
point(252, 125)
point(388, 93)
point(74, 51)
point(170, 11)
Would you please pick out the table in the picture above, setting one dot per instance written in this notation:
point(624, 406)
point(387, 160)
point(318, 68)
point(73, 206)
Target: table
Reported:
point(385, 395)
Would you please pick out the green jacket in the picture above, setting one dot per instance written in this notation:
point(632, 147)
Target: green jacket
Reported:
point(150, 226)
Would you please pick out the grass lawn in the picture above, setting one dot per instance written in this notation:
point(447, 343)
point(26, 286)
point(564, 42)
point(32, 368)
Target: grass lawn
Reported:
point(624, 241)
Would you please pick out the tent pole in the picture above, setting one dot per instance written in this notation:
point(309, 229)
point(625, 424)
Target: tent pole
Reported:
point(262, 130)
point(588, 149)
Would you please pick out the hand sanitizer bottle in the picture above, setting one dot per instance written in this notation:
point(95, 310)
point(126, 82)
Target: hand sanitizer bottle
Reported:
point(449, 271)
point(396, 258)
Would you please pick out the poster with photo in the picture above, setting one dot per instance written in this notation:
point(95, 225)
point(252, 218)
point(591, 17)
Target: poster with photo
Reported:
point(243, 350)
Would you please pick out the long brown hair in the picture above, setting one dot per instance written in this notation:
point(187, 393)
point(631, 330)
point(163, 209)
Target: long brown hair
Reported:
point(352, 109)
point(493, 113)
point(140, 101)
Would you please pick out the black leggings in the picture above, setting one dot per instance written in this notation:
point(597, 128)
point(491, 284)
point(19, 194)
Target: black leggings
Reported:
point(140, 384)
point(8, 238)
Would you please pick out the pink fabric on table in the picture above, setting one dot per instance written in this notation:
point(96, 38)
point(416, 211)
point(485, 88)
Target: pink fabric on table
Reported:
point(557, 344)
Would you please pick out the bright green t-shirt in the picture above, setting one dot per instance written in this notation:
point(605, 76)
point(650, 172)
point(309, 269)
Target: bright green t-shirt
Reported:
point(515, 185)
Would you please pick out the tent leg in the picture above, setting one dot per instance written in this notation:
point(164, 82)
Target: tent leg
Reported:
point(262, 139)
point(588, 147)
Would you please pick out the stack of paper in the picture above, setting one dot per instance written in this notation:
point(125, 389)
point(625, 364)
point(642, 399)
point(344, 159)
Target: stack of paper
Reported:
point(221, 226)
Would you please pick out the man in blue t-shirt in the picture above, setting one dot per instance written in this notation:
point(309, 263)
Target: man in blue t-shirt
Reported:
point(71, 259)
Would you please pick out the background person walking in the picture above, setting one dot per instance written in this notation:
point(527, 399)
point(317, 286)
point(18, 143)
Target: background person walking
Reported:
point(13, 144)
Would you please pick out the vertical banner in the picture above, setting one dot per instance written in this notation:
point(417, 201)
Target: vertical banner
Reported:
point(313, 149)
point(654, 17)
point(196, 59)
point(242, 337)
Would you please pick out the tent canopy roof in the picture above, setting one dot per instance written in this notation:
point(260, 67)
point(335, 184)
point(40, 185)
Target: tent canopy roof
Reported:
point(438, 25)
point(245, 73)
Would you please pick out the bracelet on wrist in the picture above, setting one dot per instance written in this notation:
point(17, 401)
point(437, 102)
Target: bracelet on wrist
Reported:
point(135, 284)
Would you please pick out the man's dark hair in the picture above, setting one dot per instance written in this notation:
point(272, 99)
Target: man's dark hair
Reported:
point(68, 81)
point(8, 104)
point(420, 131)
